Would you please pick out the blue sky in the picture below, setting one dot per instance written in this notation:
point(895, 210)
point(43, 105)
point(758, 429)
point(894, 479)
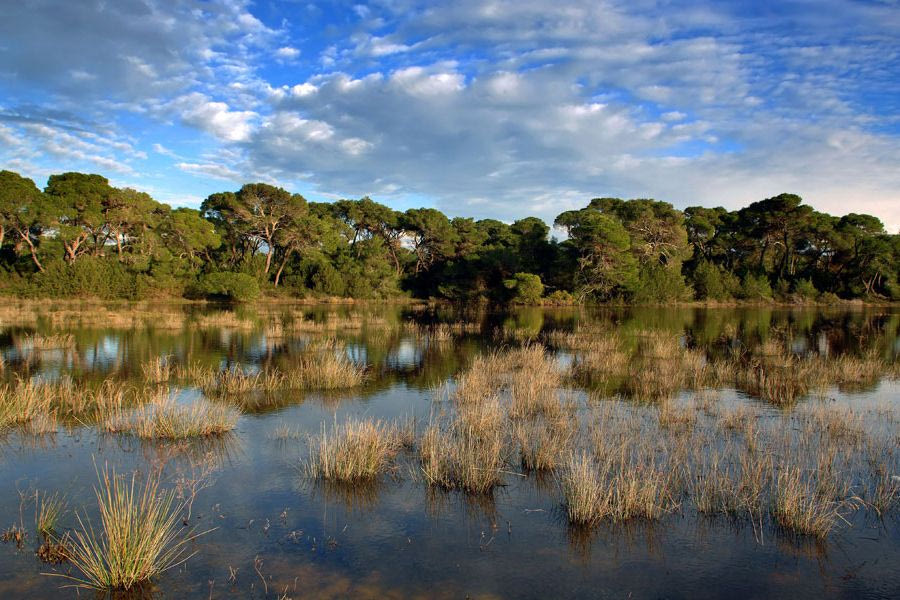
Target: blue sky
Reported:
point(487, 109)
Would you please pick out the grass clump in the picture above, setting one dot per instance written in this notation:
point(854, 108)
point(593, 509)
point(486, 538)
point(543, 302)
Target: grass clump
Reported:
point(36, 341)
point(48, 509)
point(802, 505)
point(543, 443)
point(139, 535)
point(21, 402)
point(465, 453)
point(158, 370)
point(328, 371)
point(170, 420)
point(582, 489)
point(353, 451)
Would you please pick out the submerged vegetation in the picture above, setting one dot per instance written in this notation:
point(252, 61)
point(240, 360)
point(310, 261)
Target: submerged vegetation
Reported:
point(81, 237)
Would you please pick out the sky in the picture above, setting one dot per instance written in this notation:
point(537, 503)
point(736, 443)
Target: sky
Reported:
point(490, 109)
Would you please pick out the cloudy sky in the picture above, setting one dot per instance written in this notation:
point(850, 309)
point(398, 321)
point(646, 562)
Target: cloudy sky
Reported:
point(480, 108)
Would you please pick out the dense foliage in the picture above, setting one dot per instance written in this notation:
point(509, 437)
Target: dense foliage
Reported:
point(82, 237)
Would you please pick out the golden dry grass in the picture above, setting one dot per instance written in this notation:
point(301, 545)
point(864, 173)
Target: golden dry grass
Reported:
point(804, 503)
point(37, 341)
point(353, 451)
point(169, 420)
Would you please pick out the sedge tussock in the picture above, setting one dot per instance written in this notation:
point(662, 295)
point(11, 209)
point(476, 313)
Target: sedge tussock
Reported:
point(614, 489)
point(353, 451)
point(170, 420)
point(544, 442)
point(463, 454)
point(48, 509)
point(157, 370)
point(139, 535)
point(802, 505)
point(37, 341)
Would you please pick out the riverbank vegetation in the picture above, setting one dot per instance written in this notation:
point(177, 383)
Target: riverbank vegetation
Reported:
point(81, 237)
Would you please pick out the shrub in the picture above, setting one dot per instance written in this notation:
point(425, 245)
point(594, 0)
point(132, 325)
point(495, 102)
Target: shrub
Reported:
point(87, 277)
point(893, 290)
point(560, 298)
point(659, 284)
point(805, 289)
point(328, 281)
point(239, 287)
point(755, 287)
point(711, 283)
point(526, 288)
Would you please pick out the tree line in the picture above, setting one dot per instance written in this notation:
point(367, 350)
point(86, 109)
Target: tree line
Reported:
point(80, 236)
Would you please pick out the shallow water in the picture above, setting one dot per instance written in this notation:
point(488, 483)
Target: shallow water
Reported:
point(286, 535)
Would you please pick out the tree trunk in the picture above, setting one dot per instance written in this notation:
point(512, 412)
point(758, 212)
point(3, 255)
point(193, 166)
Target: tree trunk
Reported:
point(26, 237)
point(268, 259)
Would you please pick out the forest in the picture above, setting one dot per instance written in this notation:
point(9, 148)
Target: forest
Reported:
point(81, 237)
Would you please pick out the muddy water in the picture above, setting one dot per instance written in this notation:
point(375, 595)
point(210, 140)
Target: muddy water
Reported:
point(274, 533)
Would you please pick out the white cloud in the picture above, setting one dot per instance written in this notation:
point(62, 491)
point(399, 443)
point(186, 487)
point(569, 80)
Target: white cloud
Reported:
point(419, 81)
point(500, 108)
point(287, 53)
point(214, 117)
point(214, 170)
point(160, 149)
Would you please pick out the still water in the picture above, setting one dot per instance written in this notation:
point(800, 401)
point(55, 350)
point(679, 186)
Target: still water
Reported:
point(274, 533)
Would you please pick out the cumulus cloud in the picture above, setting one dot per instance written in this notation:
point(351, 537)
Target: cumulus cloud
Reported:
point(214, 117)
point(287, 53)
point(500, 108)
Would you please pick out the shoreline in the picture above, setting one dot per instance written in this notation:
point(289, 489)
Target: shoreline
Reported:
point(336, 301)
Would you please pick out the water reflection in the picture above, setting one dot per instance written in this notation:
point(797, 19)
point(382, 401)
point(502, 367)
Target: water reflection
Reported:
point(399, 537)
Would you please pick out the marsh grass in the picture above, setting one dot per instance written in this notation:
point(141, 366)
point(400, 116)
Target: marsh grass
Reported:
point(582, 490)
point(139, 535)
point(322, 371)
point(615, 489)
point(353, 451)
point(41, 406)
point(169, 420)
point(38, 342)
point(658, 345)
point(733, 482)
point(677, 414)
point(739, 418)
point(460, 456)
point(48, 510)
point(232, 381)
point(284, 432)
point(837, 421)
point(328, 371)
point(21, 402)
point(483, 379)
point(157, 370)
point(804, 505)
point(654, 380)
point(534, 389)
point(225, 320)
point(780, 384)
point(543, 443)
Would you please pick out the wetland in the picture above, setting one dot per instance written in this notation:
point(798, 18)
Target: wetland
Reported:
point(290, 451)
